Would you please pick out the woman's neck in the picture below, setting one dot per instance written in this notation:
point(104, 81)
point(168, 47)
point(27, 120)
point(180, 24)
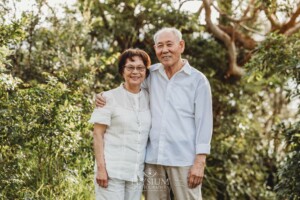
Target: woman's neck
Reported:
point(132, 88)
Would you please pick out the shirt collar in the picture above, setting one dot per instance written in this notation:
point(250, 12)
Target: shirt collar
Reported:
point(186, 67)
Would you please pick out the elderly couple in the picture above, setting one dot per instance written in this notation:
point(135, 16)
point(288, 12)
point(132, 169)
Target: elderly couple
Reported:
point(153, 132)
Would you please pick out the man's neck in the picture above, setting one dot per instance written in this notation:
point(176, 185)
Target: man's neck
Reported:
point(171, 70)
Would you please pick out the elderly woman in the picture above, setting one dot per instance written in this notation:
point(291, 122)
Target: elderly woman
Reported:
point(121, 131)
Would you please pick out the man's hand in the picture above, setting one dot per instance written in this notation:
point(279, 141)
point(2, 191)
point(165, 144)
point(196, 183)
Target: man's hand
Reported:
point(102, 178)
point(196, 173)
point(100, 100)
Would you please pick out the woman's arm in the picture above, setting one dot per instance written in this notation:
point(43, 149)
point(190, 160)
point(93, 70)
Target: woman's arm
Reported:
point(101, 175)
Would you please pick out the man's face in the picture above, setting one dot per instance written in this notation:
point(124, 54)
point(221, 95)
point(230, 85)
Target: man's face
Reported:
point(168, 49)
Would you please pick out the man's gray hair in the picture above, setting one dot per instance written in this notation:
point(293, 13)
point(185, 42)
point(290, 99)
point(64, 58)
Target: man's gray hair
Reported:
point(173, 30)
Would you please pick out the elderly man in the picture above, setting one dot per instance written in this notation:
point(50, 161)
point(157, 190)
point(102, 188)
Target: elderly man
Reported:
point(181, 109)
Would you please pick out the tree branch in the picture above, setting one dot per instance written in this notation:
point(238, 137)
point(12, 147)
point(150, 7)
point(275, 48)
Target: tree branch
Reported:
point(291, 22)
point(233, 69)
point(243, 40)
point(105, 21)
point(272, 18)
point(293, 30)
point(183, 2)
point(251, 4)
point(199, 10)
point(252, 30)
point(244, 17)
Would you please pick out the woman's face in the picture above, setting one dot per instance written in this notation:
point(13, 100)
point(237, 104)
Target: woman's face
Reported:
point(134, 71)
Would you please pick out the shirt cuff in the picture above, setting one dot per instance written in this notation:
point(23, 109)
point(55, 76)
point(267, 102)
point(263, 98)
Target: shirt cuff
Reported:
point(203, 149)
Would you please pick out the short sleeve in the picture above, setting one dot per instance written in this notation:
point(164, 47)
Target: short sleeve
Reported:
point(103, 115)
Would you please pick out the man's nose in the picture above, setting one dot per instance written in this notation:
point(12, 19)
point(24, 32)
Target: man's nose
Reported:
point(165, 48)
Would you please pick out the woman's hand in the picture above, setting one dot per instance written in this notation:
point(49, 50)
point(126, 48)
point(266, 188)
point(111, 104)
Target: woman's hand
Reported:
point(102, 178)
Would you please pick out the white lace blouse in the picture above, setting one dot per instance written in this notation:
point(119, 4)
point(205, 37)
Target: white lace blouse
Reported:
point(128, 121)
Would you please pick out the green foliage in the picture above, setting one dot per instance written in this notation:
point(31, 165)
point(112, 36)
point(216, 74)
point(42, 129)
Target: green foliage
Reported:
point(278, 56)
point(45, 142)
point(11, 32)
point(289, 184)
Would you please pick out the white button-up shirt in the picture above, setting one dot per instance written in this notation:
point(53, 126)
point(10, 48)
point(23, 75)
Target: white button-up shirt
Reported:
point(181, 109)
point(127, 132)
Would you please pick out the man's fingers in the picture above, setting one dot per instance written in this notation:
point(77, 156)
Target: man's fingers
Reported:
point(98, 103)
point(194, 181)
point(191, 181)
point(100, 100)
point(200, 179)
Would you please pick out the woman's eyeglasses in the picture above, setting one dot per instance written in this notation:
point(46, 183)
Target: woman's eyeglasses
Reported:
point(132, 68)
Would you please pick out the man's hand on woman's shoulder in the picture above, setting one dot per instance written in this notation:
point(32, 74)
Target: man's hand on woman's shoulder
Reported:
point(100, 100)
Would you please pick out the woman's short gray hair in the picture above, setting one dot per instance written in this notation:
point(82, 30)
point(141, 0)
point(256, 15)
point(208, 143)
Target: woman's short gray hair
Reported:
point(173, 30)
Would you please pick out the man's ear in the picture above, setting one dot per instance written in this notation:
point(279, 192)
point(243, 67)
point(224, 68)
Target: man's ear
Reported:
point(154, 47)
point(182, 45)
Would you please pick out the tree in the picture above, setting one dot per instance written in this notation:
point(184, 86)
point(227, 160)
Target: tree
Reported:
point(279, 55)
point(44, 145)
point(240, 21)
